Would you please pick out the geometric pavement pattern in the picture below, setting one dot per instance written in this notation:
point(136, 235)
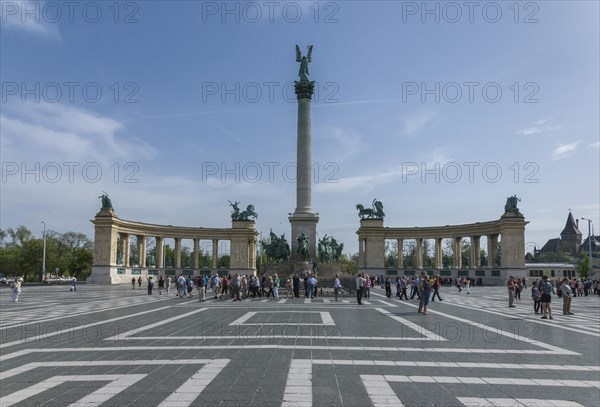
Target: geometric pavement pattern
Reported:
point(114, 346)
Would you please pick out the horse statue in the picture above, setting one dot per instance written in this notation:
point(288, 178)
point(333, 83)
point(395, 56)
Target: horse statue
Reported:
point(236, 210)
point(303, 249)
point(106, 203)
point(248, 213)
point(376, 212)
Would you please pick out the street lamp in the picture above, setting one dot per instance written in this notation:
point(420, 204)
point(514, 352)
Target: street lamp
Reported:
point(44, 255)
point(589, 241)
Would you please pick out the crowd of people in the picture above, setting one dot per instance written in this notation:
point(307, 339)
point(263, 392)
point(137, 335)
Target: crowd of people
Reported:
point(543, 290)
point(236, 286)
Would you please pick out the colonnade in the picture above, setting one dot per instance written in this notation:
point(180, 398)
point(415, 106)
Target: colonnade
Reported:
point(110, 231)
point(507, 232)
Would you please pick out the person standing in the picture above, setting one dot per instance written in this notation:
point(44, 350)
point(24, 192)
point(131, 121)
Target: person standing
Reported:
point(133, 283)
point(367, 287)
point(276, 284)
point(150, 285)
point(140, 281)
point(421, 289)
point(336, 286)
point(296, 285)
point(546, 291)
point(201, 291)
point(536, 297)
point(511, 285)
point(289, 288)
point(311, 286)
point(426, 291)
point(360, 283)
point(168, 284)
point(567, 295)
point(236, 285)
point(74, 284)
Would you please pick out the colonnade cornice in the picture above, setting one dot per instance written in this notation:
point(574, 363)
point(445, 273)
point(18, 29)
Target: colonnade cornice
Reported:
point(441, 232)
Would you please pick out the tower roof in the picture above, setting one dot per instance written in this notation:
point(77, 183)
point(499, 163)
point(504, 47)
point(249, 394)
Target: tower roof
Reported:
point(570, 227)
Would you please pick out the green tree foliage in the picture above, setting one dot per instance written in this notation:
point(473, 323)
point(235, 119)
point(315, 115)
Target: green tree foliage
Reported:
point(21, 254)
point(583, 265)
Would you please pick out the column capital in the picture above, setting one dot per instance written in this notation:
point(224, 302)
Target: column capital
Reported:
point(304, 89)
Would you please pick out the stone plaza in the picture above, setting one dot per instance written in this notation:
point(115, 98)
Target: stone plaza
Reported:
point(117, 346)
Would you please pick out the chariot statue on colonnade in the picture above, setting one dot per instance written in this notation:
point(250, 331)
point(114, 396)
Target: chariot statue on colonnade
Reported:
point(376, 212)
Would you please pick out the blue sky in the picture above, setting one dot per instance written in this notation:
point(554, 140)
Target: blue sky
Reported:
point(190, 89)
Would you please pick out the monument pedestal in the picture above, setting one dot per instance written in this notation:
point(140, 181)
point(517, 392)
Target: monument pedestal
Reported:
point(307, 224)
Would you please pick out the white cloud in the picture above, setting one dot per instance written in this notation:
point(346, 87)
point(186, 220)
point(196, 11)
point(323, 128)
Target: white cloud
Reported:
point(29, 17)
point(537, 128)
point(595, 145)
point(416, 122)
point(564, 150)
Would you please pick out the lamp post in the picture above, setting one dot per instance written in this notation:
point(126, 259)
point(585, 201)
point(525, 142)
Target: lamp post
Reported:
point(589, 221)
point(44, 253)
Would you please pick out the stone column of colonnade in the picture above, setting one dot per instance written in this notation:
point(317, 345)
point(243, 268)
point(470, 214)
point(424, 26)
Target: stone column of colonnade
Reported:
point(456, 249)
point(475, 244)
point(196, 259)
point(125, 249)
point(177, 262)
point(438, 263)
point(159, 255)
point(400, 253)
point(215, 254)
point(492, 250)
point(141, 250)
point(419, 254)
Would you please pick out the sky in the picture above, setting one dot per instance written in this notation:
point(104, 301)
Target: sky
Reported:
point(441, 110)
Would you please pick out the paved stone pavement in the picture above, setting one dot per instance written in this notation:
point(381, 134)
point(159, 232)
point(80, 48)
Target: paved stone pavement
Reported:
point(114, 346)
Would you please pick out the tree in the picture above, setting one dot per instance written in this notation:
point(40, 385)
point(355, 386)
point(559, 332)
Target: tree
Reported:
point(583, 266)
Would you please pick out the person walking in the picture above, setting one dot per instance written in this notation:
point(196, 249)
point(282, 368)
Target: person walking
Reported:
point(289, 288)
point(436, 288)
point(567, 295)
point(511, 285)
point(189, 285)
point(336, 286)
point(546, 291)
point(161, 284)
point(16, 289)
point(403, 288)
point(367, 287)
point(133, 283)
point(140, 281)
point(168, 284)
point(426, 291)
point(74, 284)
point(423, 282)
point(388, 287)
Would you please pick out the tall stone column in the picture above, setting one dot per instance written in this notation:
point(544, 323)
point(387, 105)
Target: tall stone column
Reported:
point(492, 250)
point(439, 264)
point(304, 220)
point(196, 254)
point(177, 262)
point(159, 252)
point(419, 254)
point(457, 254)
point(125, 249)
point(141, 250)
point(475, 244)
point(215, 253)
point(400, 253)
